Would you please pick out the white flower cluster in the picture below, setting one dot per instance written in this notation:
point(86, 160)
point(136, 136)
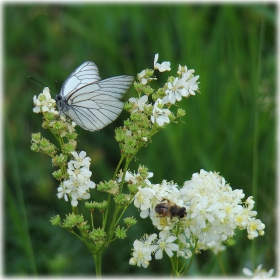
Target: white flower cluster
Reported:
point(139, 103)
point(182, 86)
point(44, 102)
point(164, 66)
point(78, 184)
point(259, 273)
point(160, 115)
point(203, 213)
point(217, 210)
point(149, 244)
point(139, 180)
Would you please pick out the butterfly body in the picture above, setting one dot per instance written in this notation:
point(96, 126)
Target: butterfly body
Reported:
point(89, 101)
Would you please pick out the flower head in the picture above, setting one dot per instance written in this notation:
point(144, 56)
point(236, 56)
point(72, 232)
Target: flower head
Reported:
point(173, 92)
point(160, 115)
point(142, 250)
point(79, 183)
point(164, 66)
point(44, 102)
point(165, 243)
point(183, 86)
point(145, 76)
point(259, 273)
point(80, 160)
point(139, 103)
point(206, 208)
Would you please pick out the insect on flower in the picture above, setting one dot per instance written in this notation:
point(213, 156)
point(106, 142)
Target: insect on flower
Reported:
point(169, 209)
point(89, 101)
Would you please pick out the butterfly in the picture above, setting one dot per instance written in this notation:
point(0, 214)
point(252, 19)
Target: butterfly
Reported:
point(90, 102)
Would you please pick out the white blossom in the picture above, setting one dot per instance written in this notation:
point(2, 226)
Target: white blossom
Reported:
point(173, 92)
point(63, 191)
point(165, 243)
point(144, 78)
point(254, 228)
point(80, 160)
point(142, 250)
point(164, 66)
point(44, 102)
point(136, 178)
point(139, 103)
point(259, 273)
point(184, 69)
point(183, 86)
point(78, 185)
point(190, 85)
point(160, 116)
point(213, 210)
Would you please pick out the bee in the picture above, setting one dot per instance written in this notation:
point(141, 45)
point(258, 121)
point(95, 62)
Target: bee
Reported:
point(168, 209)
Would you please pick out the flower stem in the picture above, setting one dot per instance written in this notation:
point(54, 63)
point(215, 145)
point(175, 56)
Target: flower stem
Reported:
point(97, 261)
point(190, 262)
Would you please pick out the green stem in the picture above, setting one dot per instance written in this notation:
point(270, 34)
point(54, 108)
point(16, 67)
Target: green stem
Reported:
point(221, 264)
point(123, 212)
point(97, 261)
point(118, 167)
point(190, 263)
point(75, 210)
point(116, 210)
point(109, 196)
point(124, 171)
point(91, 216)
point(73, 232)
point(173, 272)
point(106, 212)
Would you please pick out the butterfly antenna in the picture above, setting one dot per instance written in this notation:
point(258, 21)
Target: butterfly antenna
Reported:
point(56, 86)
point(41, 83)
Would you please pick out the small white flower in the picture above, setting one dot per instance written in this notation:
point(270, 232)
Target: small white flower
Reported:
point(84, 171)
point(44, 102)
point(160, 116)
point(253, 227)
point(173, 92)
point(79, 183)
point(182, 86)
point(165, 243)
point(184, 69)
point(142, 250)
point(139, 103)
point(80, 160)
point(259, 273)
point(190, 85)
point(63, 192)
point(144, 78)
point(164, 66)
point(144, 198)
point(136, 179)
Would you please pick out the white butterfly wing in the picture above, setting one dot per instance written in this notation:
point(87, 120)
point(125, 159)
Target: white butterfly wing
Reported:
point(85, 74)
point(98, 104)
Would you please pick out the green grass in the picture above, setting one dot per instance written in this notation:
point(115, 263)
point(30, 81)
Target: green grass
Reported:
point(229, 127)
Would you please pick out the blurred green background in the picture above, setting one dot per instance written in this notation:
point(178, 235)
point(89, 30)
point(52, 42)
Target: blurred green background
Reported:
point(229, 127)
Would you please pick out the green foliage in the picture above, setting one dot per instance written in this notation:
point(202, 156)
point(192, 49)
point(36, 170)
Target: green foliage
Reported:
point(229, 127)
